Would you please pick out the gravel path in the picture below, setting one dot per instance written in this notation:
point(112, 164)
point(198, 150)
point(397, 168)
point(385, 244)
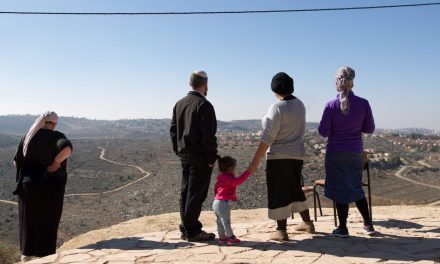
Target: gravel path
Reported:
point(102, 157)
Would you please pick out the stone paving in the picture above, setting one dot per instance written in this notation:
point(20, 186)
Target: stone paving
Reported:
point(414, 238)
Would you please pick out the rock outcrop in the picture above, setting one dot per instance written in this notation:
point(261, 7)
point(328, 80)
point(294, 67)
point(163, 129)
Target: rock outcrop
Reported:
point(406, 234)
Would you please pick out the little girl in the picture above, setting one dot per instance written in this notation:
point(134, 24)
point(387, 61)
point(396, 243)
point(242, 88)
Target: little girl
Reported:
point(225, 196)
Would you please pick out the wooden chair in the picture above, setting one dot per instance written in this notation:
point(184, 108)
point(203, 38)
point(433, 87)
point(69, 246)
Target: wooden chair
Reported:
point(321, 183)
point(307, 189)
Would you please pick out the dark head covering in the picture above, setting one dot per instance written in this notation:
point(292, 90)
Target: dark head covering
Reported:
point(282, 84)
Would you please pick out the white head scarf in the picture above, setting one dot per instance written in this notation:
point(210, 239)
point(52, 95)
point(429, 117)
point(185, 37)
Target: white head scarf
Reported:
point(344, 82)
point(48, 116)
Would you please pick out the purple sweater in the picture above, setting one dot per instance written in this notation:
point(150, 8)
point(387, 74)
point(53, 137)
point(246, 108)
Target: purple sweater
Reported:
point(344, 132)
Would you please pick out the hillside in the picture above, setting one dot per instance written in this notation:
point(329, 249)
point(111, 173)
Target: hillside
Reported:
point(8, 140)
point(124, 128)
point(87, 128)
point(83, 128)
point(122, 173)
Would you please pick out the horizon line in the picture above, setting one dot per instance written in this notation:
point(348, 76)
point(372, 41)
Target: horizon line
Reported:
point(168, 118)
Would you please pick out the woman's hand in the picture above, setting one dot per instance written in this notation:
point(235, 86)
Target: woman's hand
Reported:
point(253, 167)
point(53, 167)
point(259, 154)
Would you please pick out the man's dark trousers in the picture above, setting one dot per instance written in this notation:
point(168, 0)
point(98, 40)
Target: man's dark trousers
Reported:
point(196, 178)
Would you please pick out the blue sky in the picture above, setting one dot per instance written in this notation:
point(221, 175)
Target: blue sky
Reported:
point(138, 67)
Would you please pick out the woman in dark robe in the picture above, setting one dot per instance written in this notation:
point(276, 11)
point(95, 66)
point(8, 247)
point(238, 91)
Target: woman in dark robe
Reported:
point(282, 142)
point(41, 162)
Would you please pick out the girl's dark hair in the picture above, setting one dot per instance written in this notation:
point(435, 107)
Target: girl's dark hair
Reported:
point(226, 163)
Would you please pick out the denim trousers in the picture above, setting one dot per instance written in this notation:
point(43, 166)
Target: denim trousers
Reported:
point(222, 210)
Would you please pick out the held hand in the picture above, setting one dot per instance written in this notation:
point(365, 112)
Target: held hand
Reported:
point(253, 167)
point(261, 151)
point(213, 163)
point(53, 167)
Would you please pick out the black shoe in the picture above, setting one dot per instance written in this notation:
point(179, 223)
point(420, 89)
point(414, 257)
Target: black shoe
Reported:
point(182, 232)
point(201, 237)
point(340, 232)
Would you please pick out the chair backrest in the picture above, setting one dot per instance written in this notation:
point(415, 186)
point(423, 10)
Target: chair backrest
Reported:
point(366, 165)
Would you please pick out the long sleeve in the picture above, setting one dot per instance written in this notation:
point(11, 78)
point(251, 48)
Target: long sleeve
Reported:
point(173, 131)
point(271, 125)
point(208, 127)
point(19, 159)
point(326, 123)
point(368, 126)
point(240, 179)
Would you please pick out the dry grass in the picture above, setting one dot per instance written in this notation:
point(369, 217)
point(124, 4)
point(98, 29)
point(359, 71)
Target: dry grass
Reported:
point(9, 253)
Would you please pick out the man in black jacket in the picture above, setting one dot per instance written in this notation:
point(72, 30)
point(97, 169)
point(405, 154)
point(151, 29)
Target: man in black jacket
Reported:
point(193, 129)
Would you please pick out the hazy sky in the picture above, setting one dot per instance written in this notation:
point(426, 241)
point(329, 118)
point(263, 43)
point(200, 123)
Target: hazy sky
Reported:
point(138, 67)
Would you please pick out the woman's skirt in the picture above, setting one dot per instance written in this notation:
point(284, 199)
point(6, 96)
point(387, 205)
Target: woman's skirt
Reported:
point(40, 208)
point(343, 180)
point(284, 190)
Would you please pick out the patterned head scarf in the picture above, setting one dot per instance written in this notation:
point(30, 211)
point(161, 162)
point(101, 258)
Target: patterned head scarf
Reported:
point(49, 116)
point(344, 83)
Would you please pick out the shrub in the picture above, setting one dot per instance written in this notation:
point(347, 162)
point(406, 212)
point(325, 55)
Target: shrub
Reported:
point(392, 164)
point(9, 253)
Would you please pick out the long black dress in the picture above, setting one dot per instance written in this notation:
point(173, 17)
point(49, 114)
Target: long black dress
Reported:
point(41, 194)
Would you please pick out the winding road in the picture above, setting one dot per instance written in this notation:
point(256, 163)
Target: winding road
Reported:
point(399, 174)
point(102, 157)
point(8, 202)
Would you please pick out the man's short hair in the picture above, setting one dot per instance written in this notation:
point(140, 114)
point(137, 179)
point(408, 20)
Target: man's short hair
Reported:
point(197, 81)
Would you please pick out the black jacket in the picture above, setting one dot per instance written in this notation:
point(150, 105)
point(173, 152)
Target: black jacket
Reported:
point(193, 129)
point(42, 150)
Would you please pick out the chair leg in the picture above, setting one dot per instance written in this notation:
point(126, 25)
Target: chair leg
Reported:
point(319, 204)
point(335, 214)
point(369, 194)
point(315, 194)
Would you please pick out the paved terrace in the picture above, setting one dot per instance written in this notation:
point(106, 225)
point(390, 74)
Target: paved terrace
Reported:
point(407, 234)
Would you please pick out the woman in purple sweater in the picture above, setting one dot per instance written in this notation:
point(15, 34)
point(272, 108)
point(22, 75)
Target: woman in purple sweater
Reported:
point(343, 122)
